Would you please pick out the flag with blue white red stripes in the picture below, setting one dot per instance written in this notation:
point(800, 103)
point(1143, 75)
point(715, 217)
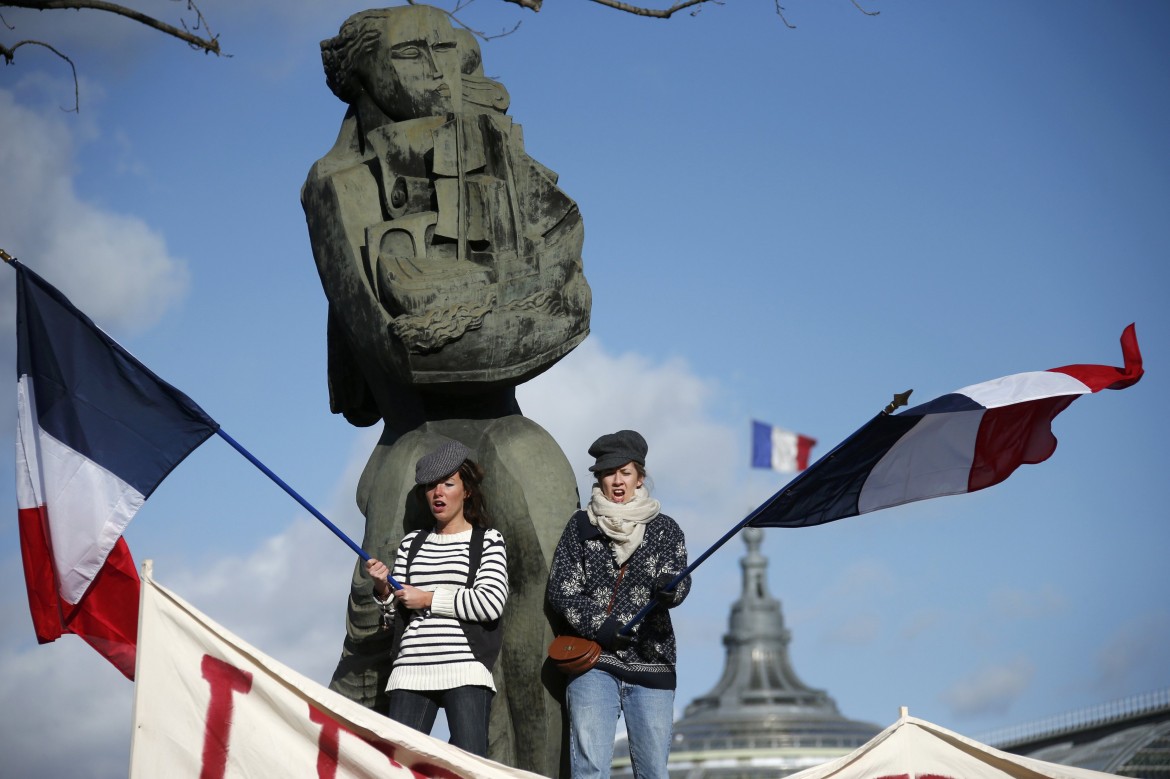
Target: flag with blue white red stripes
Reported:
point(964, 441)
point(779, 449)
point(97, 432)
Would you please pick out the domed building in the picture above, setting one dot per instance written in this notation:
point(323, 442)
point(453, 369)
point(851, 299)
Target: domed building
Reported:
point(760, 721)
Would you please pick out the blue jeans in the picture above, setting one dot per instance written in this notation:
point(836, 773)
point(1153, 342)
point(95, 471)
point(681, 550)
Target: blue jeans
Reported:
point(595, 699)
point(467, 711)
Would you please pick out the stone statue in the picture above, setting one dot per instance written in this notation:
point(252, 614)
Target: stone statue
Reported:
point(452, 265)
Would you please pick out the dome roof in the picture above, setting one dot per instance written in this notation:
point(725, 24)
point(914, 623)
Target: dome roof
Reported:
point(760, 719)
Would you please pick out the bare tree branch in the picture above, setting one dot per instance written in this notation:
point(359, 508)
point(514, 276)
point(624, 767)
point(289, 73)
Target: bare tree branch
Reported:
point(654, 13)
point(208, 44)
point(783, 18)
point(666, 13)
point(459, 6)
point(867, 13)
point(8, 54)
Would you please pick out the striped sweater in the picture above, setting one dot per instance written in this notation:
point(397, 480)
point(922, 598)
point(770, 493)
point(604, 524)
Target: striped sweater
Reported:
point(433, 653)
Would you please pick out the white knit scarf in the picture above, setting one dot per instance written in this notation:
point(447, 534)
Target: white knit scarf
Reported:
point(623, 523)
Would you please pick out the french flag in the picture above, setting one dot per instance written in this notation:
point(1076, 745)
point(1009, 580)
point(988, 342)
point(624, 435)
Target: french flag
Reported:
point(97, 432)
point(780, 449)
point(967, 440)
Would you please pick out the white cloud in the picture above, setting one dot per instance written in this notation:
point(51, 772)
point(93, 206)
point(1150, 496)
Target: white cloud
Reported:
point(115, 267)
point(66, 712)
point(991, 690)
point(692, 456)
point(287, 597)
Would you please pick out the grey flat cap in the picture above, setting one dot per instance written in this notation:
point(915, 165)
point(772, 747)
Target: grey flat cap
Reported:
point(614, 450)
point(442, 462)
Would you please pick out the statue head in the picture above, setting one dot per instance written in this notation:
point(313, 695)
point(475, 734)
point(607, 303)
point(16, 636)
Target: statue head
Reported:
point(408, 61)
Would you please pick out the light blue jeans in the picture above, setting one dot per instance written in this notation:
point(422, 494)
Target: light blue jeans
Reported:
point(596, 699)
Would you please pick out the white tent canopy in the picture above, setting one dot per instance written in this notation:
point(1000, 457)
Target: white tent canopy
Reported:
point(912, 748)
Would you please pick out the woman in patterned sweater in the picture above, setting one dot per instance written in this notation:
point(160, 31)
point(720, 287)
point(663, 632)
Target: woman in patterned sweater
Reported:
point(446, 616)
point(613, 559)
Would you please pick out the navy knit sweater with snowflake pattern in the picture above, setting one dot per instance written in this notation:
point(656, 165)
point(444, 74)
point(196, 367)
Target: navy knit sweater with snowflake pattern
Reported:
point(581, 583)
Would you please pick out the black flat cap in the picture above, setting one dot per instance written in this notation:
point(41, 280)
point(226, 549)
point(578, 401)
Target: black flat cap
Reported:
point(441, 462)
point(614, 450)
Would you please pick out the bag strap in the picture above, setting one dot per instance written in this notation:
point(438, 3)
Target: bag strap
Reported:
point(474, 554)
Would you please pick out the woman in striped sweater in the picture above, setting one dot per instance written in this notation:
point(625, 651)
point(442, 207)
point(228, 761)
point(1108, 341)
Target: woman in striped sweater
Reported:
point(446, 616)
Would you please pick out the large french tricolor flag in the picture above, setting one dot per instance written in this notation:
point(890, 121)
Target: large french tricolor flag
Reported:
point(961, 442)
point(779, 449)
point(97, 431)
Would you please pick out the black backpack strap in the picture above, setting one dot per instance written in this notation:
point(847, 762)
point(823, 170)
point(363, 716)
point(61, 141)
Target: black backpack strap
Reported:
point(484, 638)
point(474, 554)
point(399, 626)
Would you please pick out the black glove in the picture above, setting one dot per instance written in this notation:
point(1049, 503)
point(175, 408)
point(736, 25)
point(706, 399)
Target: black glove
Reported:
point(664, 596)
point(609, 637)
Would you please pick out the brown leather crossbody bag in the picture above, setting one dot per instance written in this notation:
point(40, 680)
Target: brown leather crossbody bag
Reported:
point(575, 655)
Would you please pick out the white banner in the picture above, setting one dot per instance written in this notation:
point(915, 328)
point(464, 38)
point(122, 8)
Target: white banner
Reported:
point(209, 705)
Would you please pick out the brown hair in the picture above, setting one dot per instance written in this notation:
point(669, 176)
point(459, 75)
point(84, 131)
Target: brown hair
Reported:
point(474, 506)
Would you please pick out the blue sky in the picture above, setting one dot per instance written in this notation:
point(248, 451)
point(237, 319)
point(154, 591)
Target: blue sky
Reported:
point(782, 224)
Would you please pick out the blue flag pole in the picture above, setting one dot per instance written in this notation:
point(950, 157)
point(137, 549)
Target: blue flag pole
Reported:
point(307, 506)
point(899, 400)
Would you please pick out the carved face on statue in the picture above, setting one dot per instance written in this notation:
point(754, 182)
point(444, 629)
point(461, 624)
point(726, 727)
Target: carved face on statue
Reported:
point(407, 61)
point(422, 75)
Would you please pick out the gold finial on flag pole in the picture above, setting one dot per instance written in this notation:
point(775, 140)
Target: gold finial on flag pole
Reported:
point(899, 400)
point(6, 256)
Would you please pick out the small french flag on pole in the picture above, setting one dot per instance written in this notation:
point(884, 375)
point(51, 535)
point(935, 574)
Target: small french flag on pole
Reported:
point(779, 449)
